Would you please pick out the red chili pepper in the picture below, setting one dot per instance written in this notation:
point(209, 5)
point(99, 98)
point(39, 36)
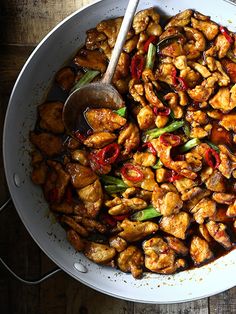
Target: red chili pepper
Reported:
point(174, 176)
point(174, 76)
point(212, 158)
point(152, 39)
point(183, 86)
point(96, 165)
point(53, 196)
point(165, 111)
point(226, 33)
point(129, 167)
point(137, 66)
point(81, 137)
point(108, 219)
point(109, 154)
point(170, 139)
point(120, 217)
point(150, 147)
point(69, 197)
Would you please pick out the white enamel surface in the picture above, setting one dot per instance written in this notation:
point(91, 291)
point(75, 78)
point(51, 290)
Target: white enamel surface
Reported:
point(29, 91)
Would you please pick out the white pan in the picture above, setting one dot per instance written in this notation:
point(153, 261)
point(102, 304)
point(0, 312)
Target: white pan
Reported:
point(30, 90)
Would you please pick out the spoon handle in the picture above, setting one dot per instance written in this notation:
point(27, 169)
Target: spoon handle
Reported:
point(125, 26)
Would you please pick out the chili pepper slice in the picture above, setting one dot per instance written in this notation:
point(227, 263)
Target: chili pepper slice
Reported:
point(183, 85)
point(152, 39)
point(96, 165)
point(109, 154)
point(174, 176)
point(212, 158)
point(226, 33)
point(170, 139)
point(150, 147)
point(137, 66)
point(129, 167)
point(120, 217)
point(165, 111)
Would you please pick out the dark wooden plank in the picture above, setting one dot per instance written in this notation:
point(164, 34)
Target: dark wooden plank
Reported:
point(223, 303)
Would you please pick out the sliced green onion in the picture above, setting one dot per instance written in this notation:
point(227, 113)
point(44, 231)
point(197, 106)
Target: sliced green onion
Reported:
point(189, 145)
point(154, 133)
point(151, 56)
point(121, 112)
point(112, 189)
point(85, 79)
point(109, 180)
point(158, 165)
point(186, 129)
point(216, 148)
point(146, 214)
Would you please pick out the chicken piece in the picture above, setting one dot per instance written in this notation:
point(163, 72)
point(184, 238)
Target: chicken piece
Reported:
point(91, 59)
point(39, 173)
point(198, 132)
point(200, 93)
point(99, 253)
point(118, 243)
point(91, 224)
point(194, 160)
point(125, 206)
point(173, 50)
point(56, 182)
point(148, 182)
point(48, 144)
point(166, 202)
point(164, 73)
point(69, 221)
point(191, 78)
point(176, 225)
point(193, 34)
point(173, 101)
point(161, 121)
point(160, 258)
point(210, 29)
point(75, 240)
point(129, 137)
point(220, 215)
point(184, 184)
point(219, 234)
point(71, 143)
point(143, 18)
point(144, 159)
point(151, 96)
point(104, 119)
point(94, 39)
point(223, 78)
point(200, 251)
point(229, 121)
point(154, 29)
point(135, 231)
point(222, 45)
point(193, 196)
point(63, 208)
point(162, 175)
point(137, 92)
point(81, 176)
point(146, 118)
point(177, 245)
point(65, 78)
point(143, 37)
point(92, 197)
point(231, 211)
point(122, 68)
point(107, 50)
point(111, 29)
point(200, 68)
point(131, 260)
point(204, 209)
point(223, 198)
point(181, 19)
point(224, 99)
point(99, 139)
point(204, 232)
point(131, 44)
point(196, 117)
point(36, 158)
point(216, 182)
point(81, 156)
point(230, 68)
point(164, 153)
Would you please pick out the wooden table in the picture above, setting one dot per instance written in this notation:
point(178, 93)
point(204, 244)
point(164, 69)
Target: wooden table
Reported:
point(22, 25)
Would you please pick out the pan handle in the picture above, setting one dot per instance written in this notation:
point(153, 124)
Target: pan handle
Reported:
point(29, 282)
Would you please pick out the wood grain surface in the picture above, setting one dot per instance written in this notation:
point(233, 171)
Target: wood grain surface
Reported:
point(23, 23)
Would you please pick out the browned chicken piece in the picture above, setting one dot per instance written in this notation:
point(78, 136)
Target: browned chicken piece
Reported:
point(124, 206)
point(184, 184)
point(160, 258)
point(151, 96)
point(144, 195)
point(222, 45)
point(181, 19)
point(64, 208)
point(194, 160)
point(230, 68)
point(122, 73)
point(92, 197)
point(161, 121)
point(218, 232)
point(196, 117)
point(143, 18)
point(164, 153)
point(99, 253)
point(173, 50)
point(220, 215)
point(164, 73)
point(136, 230)
point(99, 139)
point(201, 149)
point(204, 209)
point(197, 37)
point(203, 70)
point(204, 232)
point(94, 39)
point(210, 29)
point(118, 243)
point(129, 137)
point(39, 173)
point(75, 240)
point(192, 78)
point(111, 29)
point(224, 99)
point(200, 93)
point(90, 224)
point(81, 156)
point(81, 176)
point(148, 183)
point(198, 132)
point(216, 182)
point(200, 251)
point(65, 78)
point(154, 29)
point(224, 198)
point(69, 221)
point(166, 202)
point(229, 121)
point(48, 144)
point(144, 159)
point(56, 182)
point(176, 225)
point(104, 119)
point(131, 260)
point(162, 175)
point(173, 101)
point(177, 245)
point(36, 157)
point(146, 118)
point(136, 90)
point(193, 196)
point(91, 59)
point(131, 44)
point(231, 211)
point(130, 192)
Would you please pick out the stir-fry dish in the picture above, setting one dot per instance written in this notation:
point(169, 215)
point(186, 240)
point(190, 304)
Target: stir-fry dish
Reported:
point(150, 187)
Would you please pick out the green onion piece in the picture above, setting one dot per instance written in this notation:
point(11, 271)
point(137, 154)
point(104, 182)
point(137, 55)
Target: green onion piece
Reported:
point(189, 145)
point(85, 79)
point(158, 165)
point(121, 112)
point(146, 214)
point(231, 56)
point(113, 181)
point(213, 146)
point(112, 189)
point(151, 56)
point(154, 133)
point(186, 129)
